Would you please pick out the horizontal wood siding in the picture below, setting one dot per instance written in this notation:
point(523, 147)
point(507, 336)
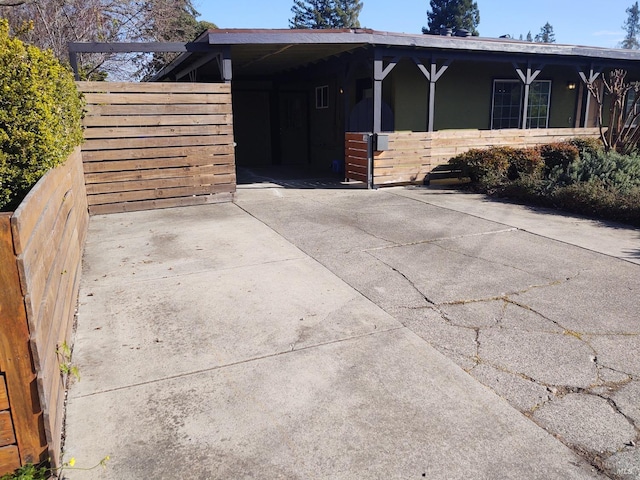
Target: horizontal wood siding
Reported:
point(356, 156)
point(157, 145)
point(18, 384)
point(412, 155)
point(48, 231)
point(407, 160)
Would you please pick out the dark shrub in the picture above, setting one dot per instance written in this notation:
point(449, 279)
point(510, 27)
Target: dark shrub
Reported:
point(558, 157)
point(525, 162)
point(589, 145)
point(477, 163)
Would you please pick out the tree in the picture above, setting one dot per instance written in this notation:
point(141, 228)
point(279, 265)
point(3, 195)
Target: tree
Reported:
point(623, 132)
point(322, 14)
point(632, 27)
point(546, 34)
point(454, 14)
point(529, 37)
point(52, 24)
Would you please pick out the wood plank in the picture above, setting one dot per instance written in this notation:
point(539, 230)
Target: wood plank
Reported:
point(140, 153)
point(7, 437)
point(144, 98)
point(55, 299)
point(178, 130)
point(153, 87)
point(159, 110)
point(155, 142)
point(4, 397)
point(9, 459)
point(193, 180)
point(38, 261)
point(15, 356)
point(160, 203)
point(222, 161)
point(93, 121)
point(138, 195)
point(28, 214)
point(94, 180)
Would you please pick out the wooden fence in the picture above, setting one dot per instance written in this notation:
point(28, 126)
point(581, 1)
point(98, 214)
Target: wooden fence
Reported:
point(40, 255)
point(412, 155)
point(157, 145)
point(356, 156)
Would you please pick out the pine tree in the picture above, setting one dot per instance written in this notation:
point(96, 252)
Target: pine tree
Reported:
point(546, 34)
point(632, 26)
point(454, 14)
point(320, 14)
point(346, 12)
point(529, 37)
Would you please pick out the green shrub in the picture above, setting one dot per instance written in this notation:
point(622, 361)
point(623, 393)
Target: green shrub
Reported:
point(40, 116)
point(612, 169)
point(590, 145)
point(596, 199)
point(558, 157)
point(476, 163)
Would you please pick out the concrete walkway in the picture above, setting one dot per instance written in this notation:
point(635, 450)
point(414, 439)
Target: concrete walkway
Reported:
point(350, 334)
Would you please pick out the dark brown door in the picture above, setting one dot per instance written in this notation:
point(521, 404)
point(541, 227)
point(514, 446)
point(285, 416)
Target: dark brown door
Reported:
point(294, 128)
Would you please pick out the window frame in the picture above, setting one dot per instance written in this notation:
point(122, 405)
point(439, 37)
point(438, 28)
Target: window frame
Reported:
point(502, 120)
point(322, 97)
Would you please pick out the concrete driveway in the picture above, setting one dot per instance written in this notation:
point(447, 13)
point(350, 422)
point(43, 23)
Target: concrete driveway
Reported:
point(341, 333)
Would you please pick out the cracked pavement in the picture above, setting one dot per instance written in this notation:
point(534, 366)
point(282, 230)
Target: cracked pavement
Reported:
point(551, 327)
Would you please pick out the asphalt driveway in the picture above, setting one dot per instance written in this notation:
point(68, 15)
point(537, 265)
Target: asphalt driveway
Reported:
point(345, 333)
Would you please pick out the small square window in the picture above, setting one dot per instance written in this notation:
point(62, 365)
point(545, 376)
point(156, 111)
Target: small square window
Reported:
point(322, 97)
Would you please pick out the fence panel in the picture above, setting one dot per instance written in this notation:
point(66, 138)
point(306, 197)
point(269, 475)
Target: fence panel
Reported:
point(356, 156)
point(157, 145)
point(412, 155)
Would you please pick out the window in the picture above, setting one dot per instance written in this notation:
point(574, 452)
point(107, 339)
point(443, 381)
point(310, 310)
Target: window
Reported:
point(538, 108)
point(631, 110)
point(507, 104)
point(507, 98)
point(322, 97)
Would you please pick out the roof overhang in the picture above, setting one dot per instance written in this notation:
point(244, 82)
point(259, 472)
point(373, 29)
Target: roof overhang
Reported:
point(261, 53)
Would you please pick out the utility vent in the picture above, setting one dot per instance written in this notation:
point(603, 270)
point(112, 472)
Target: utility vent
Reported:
point(463, 33)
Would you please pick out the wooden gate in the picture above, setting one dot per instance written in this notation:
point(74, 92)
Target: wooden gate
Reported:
point(157, 145)
point(357, 157)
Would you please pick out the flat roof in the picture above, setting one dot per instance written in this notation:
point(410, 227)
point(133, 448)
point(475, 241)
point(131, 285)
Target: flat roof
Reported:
point(263, 52)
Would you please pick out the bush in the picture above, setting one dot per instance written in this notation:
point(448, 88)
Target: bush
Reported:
point(612, 169)
point(495, 165)
point(40, 116)
point(589, 145)
point(558, 157)
point(577, 176)
point(525, 162)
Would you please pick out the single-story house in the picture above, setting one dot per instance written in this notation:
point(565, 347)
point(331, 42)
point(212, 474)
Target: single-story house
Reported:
point(297, 94)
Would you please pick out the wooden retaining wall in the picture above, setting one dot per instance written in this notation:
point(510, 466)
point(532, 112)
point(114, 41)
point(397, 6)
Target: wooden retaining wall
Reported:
point(412, 155)
point(157, 145)
point(40, 261)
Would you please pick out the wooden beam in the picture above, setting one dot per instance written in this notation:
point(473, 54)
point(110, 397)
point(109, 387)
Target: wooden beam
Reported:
point(433, 74)
point(593, 76)
point(527, 76)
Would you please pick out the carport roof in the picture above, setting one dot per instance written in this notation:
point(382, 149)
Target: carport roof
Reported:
point(263, 52)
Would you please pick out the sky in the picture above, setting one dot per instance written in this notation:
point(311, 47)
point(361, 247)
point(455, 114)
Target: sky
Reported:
point(579, 22)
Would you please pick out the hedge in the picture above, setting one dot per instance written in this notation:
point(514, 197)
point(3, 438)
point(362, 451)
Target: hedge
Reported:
point(40, 116)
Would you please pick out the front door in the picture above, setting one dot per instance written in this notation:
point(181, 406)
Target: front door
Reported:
point(294, 128)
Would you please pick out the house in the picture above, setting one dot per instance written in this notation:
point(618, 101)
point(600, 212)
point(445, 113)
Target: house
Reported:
point(298, 93)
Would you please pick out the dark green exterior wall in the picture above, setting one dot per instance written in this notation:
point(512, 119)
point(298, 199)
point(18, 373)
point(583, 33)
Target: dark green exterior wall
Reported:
point(464, 95)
